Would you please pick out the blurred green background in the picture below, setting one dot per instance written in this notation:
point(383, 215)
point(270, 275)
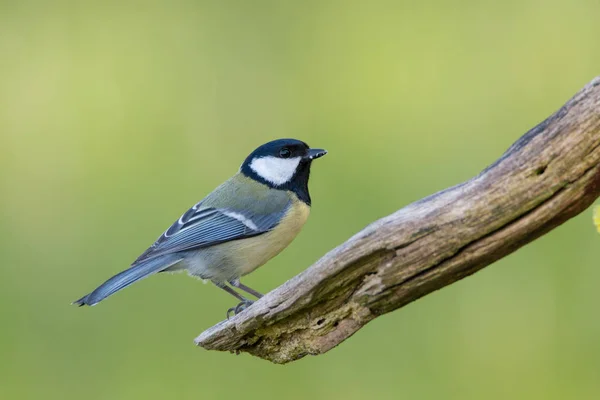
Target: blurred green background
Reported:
point(115, 117)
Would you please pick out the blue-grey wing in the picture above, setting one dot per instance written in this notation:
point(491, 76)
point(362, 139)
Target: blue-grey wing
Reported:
point(207, 226)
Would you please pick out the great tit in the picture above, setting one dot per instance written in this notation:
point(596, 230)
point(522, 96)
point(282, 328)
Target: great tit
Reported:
point(238, 227)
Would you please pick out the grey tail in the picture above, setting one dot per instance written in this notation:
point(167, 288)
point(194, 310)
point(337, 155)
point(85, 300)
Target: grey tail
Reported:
point(127, 277)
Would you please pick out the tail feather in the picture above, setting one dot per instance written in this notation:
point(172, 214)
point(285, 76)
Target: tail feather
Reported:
point(126, 278)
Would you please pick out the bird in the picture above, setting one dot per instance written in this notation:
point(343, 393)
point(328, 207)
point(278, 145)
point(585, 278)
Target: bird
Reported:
point(238, 227)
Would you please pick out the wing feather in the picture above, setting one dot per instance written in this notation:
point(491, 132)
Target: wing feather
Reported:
point(207, 226)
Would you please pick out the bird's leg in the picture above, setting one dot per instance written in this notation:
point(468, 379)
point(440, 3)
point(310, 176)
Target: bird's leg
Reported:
point(245, 303)
point(230, 291)
point(236, 283)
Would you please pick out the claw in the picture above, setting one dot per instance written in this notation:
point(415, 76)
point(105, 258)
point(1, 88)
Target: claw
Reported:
point(229, 311)
point(239, 308)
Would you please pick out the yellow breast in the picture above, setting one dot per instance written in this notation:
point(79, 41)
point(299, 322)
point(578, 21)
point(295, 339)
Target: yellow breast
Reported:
point(258, 250)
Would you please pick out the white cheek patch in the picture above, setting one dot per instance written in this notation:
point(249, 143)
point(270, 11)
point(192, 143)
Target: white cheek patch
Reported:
point(275, 170)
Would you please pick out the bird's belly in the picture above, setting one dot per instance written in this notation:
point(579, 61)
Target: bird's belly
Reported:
point(253, 252)
point(233, 259)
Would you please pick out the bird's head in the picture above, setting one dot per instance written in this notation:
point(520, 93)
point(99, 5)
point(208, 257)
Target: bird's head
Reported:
point(282, 164)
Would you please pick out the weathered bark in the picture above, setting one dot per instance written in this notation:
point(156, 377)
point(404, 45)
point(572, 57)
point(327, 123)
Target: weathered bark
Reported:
point(549, 175)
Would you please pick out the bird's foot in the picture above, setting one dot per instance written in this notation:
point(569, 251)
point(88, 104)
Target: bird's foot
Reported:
point(239, 308)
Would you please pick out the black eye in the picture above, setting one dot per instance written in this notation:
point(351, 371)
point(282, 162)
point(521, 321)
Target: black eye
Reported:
point(285, 153)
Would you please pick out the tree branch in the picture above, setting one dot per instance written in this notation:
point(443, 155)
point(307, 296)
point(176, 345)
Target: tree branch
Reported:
point(549, 175)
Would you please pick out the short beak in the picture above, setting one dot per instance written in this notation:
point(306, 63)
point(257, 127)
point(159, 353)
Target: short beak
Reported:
point(313, 154)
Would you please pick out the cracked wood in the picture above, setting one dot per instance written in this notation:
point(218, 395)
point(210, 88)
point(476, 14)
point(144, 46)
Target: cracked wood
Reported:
point(549, 175)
